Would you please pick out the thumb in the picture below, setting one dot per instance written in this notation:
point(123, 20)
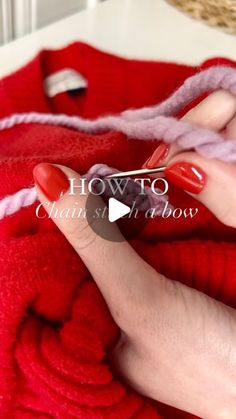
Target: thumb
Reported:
point(212, 182)
point(119, 272)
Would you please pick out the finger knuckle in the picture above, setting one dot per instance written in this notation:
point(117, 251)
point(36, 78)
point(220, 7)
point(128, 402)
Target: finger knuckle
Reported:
point(82, 236)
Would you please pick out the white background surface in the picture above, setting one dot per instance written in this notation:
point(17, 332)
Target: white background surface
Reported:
point(145, 29)
point(47, 11)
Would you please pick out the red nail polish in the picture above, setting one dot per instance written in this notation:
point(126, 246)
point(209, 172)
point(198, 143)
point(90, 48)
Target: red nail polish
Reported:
point(157, 157)
point(187, 176)
point(51, 180)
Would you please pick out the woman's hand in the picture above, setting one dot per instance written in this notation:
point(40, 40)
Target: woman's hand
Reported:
point(211, 181)
point(178, 345)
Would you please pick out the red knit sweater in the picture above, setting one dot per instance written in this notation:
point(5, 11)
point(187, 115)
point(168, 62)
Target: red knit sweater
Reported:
point(55, 328)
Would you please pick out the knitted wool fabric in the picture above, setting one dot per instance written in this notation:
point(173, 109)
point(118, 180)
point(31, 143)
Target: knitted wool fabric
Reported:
point(55, 328)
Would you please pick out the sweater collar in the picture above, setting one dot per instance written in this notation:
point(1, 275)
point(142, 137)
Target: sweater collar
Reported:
point(24, 91)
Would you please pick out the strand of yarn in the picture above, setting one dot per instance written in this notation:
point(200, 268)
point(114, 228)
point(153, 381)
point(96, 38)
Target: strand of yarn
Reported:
point(28, 196)
point(214, 78)
point(155, 122)
point(13, 203)
point(206, 142)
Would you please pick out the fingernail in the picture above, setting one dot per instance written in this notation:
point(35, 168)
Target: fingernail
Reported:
point(186, 176)
point(157, 157)
point(51, 180)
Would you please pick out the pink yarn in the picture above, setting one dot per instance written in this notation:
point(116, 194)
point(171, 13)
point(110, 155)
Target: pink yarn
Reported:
point(13, 203)
point(155, 122)
point(214, 78)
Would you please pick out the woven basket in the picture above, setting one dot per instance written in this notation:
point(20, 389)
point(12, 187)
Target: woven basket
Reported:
point(221, 13)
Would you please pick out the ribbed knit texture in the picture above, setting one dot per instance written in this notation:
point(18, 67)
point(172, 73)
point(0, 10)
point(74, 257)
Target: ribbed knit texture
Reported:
point(55, 329)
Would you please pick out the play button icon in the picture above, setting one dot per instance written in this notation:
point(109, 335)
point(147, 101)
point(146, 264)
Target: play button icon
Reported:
point(116, 209)
point(127, 209)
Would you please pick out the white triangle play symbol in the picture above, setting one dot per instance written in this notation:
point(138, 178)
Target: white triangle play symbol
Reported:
point(116, 210)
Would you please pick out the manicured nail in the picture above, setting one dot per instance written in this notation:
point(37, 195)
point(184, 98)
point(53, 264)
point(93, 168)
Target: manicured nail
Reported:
point(51, 180)
point(187, 176)
point(157, 157)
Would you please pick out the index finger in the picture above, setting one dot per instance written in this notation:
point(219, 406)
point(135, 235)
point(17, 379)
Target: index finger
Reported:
point(119, 272)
